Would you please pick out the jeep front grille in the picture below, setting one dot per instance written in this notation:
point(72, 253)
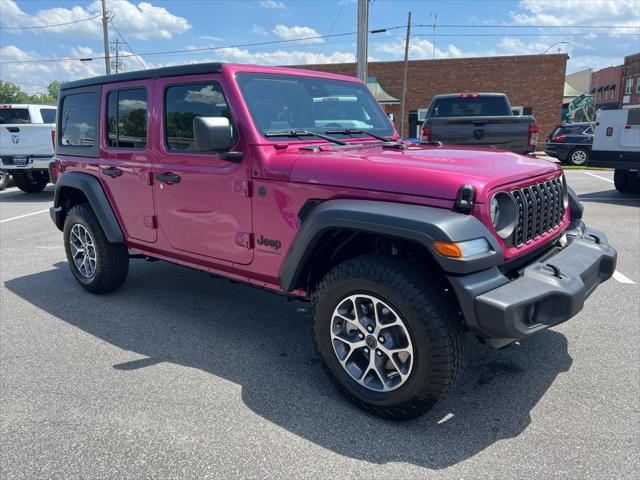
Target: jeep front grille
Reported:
point(540, 210)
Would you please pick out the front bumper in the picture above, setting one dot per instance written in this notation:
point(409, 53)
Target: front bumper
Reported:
point(546, 292)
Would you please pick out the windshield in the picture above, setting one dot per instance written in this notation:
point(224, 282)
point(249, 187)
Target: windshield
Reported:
point(281, 103)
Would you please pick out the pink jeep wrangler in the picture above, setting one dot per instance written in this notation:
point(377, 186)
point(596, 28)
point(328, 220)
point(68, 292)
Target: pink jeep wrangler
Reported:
point(296, 182)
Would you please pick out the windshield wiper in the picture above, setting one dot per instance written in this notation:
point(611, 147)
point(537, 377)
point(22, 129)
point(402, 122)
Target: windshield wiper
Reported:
point(351, 131)
point(304, 133)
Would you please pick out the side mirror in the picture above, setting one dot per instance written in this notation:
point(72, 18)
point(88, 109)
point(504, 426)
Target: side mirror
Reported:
point(212, 134)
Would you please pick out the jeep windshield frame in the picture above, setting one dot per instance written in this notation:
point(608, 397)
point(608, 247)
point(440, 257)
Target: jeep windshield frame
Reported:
point(290, 102)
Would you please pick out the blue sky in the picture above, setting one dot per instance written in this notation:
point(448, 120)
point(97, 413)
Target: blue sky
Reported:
point(157, 26)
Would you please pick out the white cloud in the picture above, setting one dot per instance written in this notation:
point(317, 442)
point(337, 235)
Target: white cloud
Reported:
point(143, 21)
point(281, 57)
point(295, 32)
point(258, 30)
point(272, 4)
point(210, 38)
point(419, 48)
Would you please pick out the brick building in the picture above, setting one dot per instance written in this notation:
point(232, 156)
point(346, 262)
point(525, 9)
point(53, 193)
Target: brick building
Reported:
point(607, 88)
point(535, 81)
point(631, 82)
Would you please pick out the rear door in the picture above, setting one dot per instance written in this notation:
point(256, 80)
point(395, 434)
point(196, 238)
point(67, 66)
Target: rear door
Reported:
point(126, 155)
point(202, 201)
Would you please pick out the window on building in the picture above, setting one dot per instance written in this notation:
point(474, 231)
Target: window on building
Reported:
point(183, 103)
point(78, 120)
point(638, 85)
point(127, 119)
point(628, 89)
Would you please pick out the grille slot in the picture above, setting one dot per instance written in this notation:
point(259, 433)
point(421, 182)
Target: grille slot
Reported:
point(540, 210)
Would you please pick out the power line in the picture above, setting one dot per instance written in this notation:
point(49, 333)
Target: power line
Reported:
point(203, 49)
point(127, 44)
point(51, 25)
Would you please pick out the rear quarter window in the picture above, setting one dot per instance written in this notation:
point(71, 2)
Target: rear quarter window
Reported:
point(78, 121)
point(14, 115)
point(48, 115)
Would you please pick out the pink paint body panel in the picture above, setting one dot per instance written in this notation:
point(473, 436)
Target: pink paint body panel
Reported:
point(198, 221)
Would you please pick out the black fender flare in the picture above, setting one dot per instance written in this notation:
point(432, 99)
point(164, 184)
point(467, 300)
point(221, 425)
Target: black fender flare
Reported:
point(91, 188)
point(417, 223)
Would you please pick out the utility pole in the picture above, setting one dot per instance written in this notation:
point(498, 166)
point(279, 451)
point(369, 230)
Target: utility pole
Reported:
point(116, 64)
point(105, 35)
point(363, 32)
point(404, 76)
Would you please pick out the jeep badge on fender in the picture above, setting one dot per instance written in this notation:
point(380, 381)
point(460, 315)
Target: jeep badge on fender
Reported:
point(399, 249)
point(275, 244)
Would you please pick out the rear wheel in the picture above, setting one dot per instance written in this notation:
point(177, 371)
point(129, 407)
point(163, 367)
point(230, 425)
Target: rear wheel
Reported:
point(621, 180)
point(31, 182)
point(98, 265)
point(578, 157)
point(390, 336)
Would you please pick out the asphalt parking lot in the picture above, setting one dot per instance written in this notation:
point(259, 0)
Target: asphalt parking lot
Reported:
point(180, 374)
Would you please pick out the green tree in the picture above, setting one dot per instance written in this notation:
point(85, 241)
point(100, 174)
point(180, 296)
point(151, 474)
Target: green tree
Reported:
point(52, 92)
point(12, 93)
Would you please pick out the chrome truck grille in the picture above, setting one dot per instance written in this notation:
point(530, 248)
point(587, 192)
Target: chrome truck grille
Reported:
point(540, 210)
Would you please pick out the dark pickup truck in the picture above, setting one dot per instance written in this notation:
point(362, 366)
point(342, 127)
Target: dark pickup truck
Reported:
point(484, 119)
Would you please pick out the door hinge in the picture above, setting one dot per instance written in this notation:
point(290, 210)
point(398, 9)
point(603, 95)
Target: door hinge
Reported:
point(151, 221)
point(243, 187)
point(244, 239)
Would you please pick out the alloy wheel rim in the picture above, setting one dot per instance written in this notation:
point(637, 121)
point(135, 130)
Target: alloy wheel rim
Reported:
point(371, 342)
point(579, 157)
point(83, 251)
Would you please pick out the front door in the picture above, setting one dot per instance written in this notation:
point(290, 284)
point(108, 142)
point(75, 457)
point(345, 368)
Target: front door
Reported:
point(202, 201)
point(126, 155)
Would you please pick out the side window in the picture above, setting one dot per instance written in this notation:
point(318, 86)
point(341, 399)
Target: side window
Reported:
point(127, 119)
point(48, 115)
point(78, 120)
point(185, 102)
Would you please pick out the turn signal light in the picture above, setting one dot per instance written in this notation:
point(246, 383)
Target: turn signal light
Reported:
point(466, 249)
point(448, 249)
point(426, 134)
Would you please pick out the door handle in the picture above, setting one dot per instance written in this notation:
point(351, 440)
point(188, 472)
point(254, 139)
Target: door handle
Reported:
point(112, 172)
point(168, 177)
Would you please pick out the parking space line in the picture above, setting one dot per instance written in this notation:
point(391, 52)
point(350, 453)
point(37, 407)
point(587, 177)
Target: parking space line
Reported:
point(619, 277)
point(598, 176)
point(22, 216)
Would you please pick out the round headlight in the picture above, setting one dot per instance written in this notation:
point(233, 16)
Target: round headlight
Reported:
point(504, 214)
point(495, 211)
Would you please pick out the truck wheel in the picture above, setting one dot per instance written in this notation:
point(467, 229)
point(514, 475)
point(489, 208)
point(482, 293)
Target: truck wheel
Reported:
point(31, 182)
point(5, 180)
point(98, 265)
point(578, 157)
point(390, 336)
point(621, 180)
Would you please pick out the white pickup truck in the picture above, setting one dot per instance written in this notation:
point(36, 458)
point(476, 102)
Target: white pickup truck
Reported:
point(26, 144)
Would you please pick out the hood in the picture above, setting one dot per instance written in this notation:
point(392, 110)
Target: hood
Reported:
point(419, 170)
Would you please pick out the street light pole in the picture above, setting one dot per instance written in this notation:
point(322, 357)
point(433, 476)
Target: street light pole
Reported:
point(363, 31)
point(553, 45)
point(105, 35)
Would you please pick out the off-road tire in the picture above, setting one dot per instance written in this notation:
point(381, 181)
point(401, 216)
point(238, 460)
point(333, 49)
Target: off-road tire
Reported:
point(621, 180)
point(31, 182)
point(578, 157)
point(431, 315)
point(112, 258)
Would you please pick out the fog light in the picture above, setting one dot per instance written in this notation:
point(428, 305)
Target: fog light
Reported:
point(467, 249)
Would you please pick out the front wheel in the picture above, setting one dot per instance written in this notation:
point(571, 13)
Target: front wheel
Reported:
point(31, 182)
point(578, 157)
point(389, 335)
point(98, 265)
point(621, 180)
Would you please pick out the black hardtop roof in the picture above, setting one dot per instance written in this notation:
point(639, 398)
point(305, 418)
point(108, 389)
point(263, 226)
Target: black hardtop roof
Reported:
point(191, 69)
